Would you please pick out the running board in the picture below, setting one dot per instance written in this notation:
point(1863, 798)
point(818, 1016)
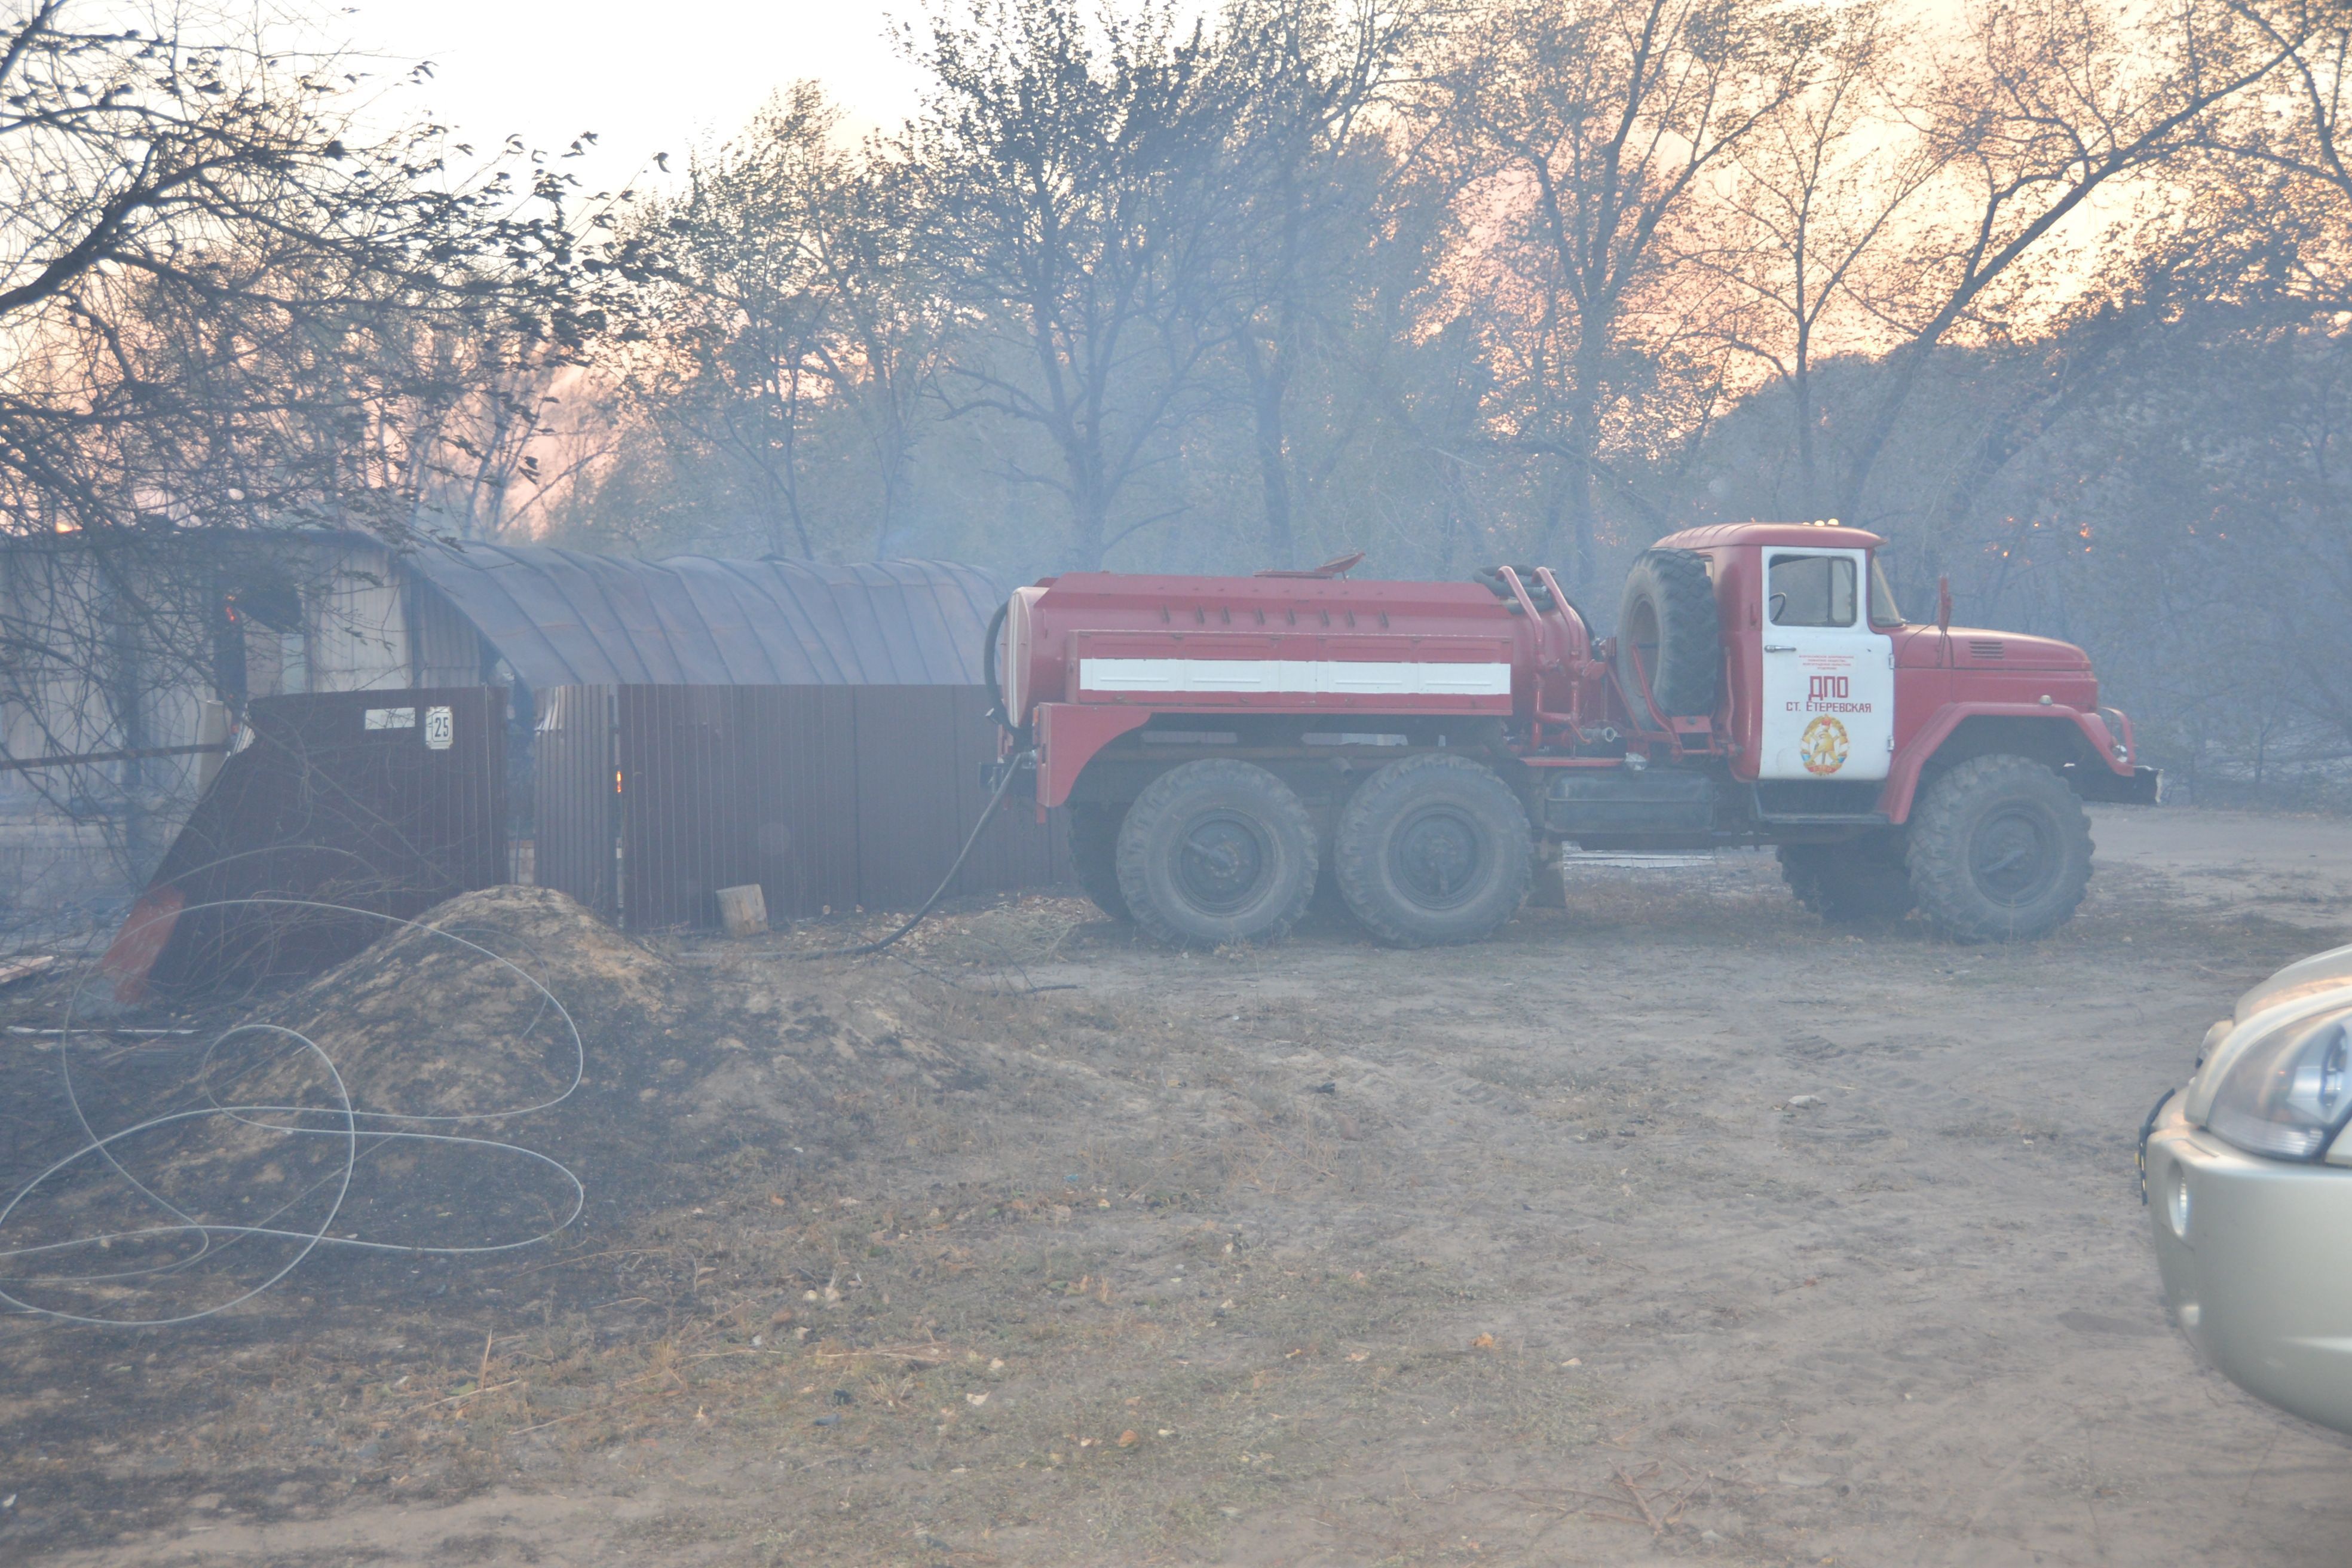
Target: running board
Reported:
point(1815, 805)
point(1825, 819)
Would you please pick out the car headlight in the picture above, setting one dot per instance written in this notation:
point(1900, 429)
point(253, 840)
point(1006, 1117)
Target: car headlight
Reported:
point(2291, 1093)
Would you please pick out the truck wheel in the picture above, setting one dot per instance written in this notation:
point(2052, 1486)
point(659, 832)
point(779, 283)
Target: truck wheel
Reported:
point(1216, 851)
point(1433, 849)
point(2000, 850)
point(1861, 883)
point(1094, 856)
point(1667, 618)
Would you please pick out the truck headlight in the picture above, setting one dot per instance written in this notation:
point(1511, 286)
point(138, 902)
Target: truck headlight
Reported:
point(2291, 1093)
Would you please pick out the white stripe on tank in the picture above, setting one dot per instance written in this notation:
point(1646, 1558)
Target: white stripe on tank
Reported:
point(1335, 677)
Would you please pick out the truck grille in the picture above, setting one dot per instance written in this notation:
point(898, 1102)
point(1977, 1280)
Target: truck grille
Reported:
point(1983, 649)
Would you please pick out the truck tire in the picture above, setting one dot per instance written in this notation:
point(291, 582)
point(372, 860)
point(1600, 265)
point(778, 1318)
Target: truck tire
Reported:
point(1433, 849)
point(2000, 850)
point(1859, 884)
point(1216, 851)
point(1667, 618)
point(1094, 856)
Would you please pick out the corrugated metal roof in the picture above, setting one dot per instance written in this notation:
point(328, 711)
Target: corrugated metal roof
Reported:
point(561, 617)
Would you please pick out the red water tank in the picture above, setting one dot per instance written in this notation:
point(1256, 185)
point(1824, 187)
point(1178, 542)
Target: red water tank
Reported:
point(1287, 643)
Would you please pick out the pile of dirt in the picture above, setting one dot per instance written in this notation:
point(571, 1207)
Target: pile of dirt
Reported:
point(474, 1010)
point(506, 1068)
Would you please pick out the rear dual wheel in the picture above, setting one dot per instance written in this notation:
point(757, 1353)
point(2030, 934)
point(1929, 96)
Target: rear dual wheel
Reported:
point(1433, 850)
point(1428, 850)
point(1215, 852)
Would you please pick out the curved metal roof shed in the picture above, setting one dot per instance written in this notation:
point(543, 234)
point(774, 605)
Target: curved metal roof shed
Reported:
point(561, 617)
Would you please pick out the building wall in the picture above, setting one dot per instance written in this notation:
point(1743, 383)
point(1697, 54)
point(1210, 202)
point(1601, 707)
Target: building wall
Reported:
point(357, 621)
point(81, 677)
point(85, 674)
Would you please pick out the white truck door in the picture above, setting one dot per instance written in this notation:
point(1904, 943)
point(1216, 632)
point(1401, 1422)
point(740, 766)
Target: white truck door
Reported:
point(1829, 679)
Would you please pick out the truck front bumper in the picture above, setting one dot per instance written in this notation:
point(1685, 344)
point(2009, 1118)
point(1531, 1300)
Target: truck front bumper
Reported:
point(2256, 1256)
point(2141, 786)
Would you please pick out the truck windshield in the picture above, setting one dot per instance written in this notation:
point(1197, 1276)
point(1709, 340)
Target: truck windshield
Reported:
point(1813, 591)
point(1883, 612)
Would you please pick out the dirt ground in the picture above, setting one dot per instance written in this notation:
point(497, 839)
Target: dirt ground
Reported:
point(1036, 1246)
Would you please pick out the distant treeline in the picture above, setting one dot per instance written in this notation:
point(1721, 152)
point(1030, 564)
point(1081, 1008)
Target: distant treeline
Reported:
point(2051, 292)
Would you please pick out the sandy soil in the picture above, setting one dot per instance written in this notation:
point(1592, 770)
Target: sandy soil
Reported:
point(1514, 1254)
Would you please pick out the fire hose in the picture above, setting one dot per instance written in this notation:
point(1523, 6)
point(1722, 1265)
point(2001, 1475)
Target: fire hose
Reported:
point(1013, 767)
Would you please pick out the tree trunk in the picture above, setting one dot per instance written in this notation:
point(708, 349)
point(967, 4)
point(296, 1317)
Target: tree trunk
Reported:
point(1091, 503)
point(1801, 391)
point(891, 457)
point(1267, 386)
point(782, 477)
point(1583, 446)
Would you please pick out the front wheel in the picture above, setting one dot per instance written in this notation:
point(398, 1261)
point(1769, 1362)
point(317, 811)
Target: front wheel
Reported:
point(1216, 851)
point(1433, 849)
point(2000, 850)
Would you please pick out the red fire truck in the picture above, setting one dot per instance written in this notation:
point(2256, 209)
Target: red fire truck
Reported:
point(1222, 745)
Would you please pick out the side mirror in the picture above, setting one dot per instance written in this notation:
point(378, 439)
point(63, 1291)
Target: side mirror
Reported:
point(1943, 604)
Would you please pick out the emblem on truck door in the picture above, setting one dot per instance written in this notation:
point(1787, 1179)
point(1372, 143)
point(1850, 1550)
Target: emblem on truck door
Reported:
point(1822, 746)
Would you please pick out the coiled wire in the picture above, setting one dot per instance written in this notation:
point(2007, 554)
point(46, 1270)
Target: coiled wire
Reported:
point(357, 1131)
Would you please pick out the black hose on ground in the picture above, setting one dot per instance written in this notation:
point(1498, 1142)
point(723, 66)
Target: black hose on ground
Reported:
point(1012, 765)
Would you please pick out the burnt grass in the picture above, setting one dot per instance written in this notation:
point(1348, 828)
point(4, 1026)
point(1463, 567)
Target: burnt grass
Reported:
point(852, 1229)
point(901, 1180)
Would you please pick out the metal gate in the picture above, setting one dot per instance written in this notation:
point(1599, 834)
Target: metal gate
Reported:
point(650, 798)
point(383, 800)
point(575, 796)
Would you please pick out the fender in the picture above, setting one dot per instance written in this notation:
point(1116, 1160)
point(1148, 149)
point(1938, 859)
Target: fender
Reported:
point(1069, 736)
point(1903, 774)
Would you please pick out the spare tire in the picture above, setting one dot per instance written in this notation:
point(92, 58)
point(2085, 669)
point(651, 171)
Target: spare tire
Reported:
point(1667, 631)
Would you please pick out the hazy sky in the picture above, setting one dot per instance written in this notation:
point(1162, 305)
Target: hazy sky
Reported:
point(647, 78)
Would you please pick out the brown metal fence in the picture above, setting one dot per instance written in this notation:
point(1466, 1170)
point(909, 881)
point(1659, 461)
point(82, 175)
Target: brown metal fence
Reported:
point(650, 798)
point(386, 801)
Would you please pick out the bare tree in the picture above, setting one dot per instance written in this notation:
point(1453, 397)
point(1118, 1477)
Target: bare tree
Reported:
point(1075, 167)
point(224, 299)
point(786, 285)
point(2052, 101)
point(733, 301)
point(1816, 196)
point(2300, 132)
point(1594, 124)
point(884, 361)
point(1308, 162)
point(231, 315)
